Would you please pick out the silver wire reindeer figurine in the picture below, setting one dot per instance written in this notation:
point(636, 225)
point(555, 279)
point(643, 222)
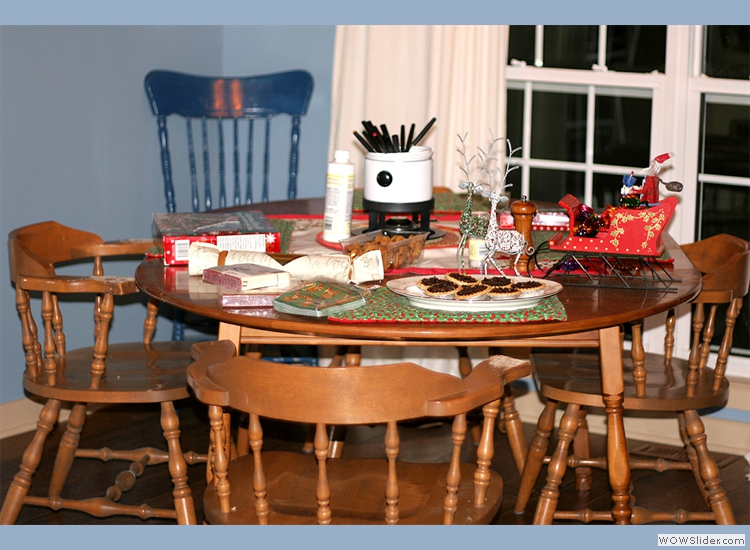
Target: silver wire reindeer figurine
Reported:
point(469, 225)
point(505, 241)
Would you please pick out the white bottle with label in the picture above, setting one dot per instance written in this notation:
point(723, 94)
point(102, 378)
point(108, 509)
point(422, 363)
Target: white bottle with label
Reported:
point(337, 220)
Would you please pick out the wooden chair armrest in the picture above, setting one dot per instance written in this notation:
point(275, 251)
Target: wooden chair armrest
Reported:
point(124, 247)
point(205, 355)
point(75, 284)
point(485, 383)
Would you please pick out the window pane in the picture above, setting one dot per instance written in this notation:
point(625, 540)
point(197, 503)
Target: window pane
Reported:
point(725, 210)
point(558, 126)
point(514, 116)
point(726, 140)
point(727, 51)
point(636, 48)
point(570, 46)
point(552, 185)
point(725, 151)
point(623, 131)
point(606, 190)
point(521, 43)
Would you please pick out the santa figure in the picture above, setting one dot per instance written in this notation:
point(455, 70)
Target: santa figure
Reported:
point(649, 191)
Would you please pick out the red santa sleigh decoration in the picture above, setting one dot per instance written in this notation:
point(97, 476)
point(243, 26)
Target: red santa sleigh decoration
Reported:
point(622, 247)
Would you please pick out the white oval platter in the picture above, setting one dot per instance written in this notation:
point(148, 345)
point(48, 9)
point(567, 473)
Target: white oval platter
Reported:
point(408, 288)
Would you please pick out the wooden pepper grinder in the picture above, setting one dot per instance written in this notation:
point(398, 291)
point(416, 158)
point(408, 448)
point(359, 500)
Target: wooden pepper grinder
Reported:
point(523, 214)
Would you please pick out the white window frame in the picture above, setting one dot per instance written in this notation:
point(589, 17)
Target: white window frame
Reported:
point(675, 127)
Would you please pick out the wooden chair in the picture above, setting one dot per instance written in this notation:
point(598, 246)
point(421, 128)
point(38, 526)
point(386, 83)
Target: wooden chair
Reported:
point(233, 100)
point(283, 487)
point(655, 384)
point(131, 373)
point(234, 104)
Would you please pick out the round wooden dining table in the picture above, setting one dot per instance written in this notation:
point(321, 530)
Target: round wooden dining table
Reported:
point(594, 317)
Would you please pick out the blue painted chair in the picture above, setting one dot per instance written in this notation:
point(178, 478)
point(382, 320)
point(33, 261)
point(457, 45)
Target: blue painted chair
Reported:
point(218, 107)
point(232, 103)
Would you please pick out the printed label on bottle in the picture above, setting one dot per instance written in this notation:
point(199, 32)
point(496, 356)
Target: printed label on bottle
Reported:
point(337, 221)
point(477, 251)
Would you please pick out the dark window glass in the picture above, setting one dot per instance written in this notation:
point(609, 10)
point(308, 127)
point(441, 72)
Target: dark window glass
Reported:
point(514, 191)
point(514, 117)
point(552, 185)
point(521, 43)
point(726, 140)
point(636, 48)
point(558, 126)
point(727, 51)
point(724, 209)
point(623, 131)
point(570, 46)
point(606, 190)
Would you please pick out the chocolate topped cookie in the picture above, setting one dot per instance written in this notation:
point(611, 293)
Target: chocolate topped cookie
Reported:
point(470, 292)
point(497, 281)
point(530, 288)
point(442, 288)
point(504, 292)
point(461, 279)
point(428, 282)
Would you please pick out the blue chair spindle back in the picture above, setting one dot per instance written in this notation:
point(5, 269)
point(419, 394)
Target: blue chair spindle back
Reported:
point(236, 99)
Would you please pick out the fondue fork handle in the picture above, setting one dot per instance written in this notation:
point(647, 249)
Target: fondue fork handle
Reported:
point(411, 136)
point(386, 139)
point(363, 142)
point(424, 131)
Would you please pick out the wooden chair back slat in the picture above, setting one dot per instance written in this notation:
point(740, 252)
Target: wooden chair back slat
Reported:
point(234, 100)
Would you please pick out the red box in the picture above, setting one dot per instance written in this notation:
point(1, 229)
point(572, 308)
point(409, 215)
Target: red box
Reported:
point(248, 230)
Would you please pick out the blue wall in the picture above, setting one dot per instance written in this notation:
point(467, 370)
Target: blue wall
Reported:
point(78, 142)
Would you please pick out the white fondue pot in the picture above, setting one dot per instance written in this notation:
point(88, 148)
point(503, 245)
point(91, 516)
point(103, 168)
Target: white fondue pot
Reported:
point(399, 182)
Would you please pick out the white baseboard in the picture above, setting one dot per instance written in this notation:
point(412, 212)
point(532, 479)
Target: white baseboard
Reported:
point(20, 416)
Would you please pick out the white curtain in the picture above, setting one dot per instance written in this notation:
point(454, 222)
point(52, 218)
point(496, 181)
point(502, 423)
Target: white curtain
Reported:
point(397, 75)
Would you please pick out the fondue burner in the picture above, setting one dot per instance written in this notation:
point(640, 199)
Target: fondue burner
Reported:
point(399, 183)
point(404, 226)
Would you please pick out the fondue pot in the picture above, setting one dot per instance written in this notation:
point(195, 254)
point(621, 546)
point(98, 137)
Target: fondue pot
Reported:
point(399, 183)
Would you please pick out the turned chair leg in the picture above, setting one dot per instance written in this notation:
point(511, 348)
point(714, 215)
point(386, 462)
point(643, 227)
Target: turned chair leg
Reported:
point(32, 456)
point(66, 451)
point(582, 449)
point(717, 497)
point(183, 496)
point(485, 451)
point(453, 479)
point(692, 457)
point(514, 429)
point(535, 456)
point(556, 468)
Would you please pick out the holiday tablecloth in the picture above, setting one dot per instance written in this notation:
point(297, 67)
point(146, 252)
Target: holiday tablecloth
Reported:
point(384, 306)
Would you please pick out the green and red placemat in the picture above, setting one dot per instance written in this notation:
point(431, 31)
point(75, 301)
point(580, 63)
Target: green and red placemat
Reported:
point(285, 228)
point(384, 306)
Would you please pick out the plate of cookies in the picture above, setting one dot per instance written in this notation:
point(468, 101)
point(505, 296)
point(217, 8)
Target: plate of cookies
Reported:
point(461, 292)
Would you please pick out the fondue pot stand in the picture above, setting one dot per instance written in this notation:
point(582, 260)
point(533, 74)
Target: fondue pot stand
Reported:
point(399, 183)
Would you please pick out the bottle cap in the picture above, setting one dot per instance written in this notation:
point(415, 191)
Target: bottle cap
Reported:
point(341, 156)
